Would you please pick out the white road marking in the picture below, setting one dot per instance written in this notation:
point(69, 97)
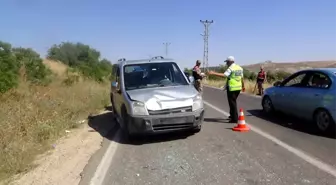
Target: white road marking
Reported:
point(315, 162)
point(106, 161)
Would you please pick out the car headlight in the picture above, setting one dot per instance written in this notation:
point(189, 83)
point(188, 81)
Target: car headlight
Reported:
point(197, 103)
point(139, 108)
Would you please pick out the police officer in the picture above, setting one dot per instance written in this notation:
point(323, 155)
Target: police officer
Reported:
point(197, 74)
point(261, 78)
point(234, 85)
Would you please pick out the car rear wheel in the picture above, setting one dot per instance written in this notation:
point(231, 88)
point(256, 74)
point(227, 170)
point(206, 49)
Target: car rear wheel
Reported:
point(323, 121)
point(267, 105)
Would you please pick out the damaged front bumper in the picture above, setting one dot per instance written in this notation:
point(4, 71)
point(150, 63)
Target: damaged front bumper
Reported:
point(165, 123)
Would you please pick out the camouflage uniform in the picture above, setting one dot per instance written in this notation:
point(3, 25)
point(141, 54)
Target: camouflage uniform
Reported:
point(198, 81)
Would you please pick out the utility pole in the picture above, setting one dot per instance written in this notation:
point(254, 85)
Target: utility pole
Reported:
point(205, 35)
point(166, 44)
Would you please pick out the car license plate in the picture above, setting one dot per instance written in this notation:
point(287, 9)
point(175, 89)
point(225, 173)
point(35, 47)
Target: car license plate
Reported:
point(174, 120)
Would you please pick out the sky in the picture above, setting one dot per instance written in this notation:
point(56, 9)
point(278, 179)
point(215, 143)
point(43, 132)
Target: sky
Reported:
point(250, 30)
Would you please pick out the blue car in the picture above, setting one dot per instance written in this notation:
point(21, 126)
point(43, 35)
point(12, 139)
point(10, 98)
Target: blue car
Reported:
point(307, 94)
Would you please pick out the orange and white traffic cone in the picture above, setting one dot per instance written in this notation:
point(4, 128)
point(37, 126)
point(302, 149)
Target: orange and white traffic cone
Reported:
point(241, 127)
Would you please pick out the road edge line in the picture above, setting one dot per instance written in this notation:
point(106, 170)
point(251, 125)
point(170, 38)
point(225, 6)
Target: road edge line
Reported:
point(299, 153)
point(100, 173)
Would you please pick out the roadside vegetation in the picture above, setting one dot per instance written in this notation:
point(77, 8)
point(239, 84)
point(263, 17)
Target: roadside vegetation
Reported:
point(250, 79)
point(41, 98)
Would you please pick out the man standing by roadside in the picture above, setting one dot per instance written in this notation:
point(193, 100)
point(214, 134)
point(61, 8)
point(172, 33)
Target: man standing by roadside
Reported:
point(198, 77)
point(235, 84)
point(261, 78)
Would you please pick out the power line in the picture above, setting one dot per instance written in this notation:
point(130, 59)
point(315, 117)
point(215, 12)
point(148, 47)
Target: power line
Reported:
point(205, 35)
point(166, 44)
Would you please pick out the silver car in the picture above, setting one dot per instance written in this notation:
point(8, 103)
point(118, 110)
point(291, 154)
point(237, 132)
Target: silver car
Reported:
point(154, 96)
point(308, 94)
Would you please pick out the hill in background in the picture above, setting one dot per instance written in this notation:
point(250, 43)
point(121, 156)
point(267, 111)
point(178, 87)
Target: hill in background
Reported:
point(291, 67)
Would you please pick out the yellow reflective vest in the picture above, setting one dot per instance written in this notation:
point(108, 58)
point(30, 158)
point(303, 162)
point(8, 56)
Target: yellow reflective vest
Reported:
point(235, 78)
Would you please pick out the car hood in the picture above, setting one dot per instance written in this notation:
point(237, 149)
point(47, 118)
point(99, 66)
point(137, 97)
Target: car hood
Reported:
point(164, 97)
point(270, 90)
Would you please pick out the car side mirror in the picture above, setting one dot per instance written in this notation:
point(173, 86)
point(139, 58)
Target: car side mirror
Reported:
point(191, 79)
point(114, 87)
point(277, 84)
point(114, 84)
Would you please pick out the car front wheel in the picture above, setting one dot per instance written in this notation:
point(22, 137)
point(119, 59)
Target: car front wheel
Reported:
point(267, 105)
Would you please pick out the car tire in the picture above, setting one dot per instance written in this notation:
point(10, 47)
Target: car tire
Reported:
point(197, 129)
point(111, 99)
point(267, 105)
point(112, 103)
point(128, 136)
point(323, 121)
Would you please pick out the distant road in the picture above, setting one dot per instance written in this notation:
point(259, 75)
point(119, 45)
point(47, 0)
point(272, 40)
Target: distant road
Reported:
point(217, 155)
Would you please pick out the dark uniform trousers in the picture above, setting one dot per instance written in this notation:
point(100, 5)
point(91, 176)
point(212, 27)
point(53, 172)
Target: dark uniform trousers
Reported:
point(232, 100)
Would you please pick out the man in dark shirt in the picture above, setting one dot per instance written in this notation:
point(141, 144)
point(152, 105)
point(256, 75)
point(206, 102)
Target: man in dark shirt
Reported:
point(261, 79)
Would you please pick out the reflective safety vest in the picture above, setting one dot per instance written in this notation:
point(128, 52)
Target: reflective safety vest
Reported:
point(235, 78)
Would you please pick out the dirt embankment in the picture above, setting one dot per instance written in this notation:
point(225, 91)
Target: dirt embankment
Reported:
point(64, 163)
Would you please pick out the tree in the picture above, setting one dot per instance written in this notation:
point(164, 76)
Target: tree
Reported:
point(36, 72)
point(189, 71)
point(9, 68)
point(82, 57)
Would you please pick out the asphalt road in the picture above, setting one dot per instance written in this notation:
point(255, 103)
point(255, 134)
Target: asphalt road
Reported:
point(217, 155)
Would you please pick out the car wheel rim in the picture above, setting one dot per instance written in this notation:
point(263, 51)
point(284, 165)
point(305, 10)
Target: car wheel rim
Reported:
point(267, 105)
point(322, 120)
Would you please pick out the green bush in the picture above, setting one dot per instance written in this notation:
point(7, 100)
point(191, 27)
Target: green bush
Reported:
point(36, 72)
point(188, 71)
point(277, 75)
point(271, 75)
point(83, 58)
point(249, 75)
point(9, 68)
point(12, 60)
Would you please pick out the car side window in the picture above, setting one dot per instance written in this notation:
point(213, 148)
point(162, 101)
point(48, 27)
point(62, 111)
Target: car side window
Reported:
point(295, 81)
point(319, 80)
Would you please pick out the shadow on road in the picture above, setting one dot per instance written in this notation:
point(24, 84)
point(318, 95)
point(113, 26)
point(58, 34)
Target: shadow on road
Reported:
point(159, 138)
point(217, 120)
point(103, 123)
point(107, 127)
point(290, 122)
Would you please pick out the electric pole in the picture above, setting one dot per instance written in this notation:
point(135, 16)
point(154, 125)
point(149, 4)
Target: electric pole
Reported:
point(205, 35)
point(166, 44)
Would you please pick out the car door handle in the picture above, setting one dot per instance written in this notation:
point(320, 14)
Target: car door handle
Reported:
point(316, 94)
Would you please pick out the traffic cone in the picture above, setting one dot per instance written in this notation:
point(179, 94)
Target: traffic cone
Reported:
point(241, 127)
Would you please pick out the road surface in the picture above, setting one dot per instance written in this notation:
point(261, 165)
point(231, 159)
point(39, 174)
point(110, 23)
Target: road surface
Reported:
point(217, 155)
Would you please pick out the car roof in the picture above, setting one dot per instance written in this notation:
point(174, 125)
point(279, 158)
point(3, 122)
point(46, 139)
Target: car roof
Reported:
point(158, 59)
point(325, 70)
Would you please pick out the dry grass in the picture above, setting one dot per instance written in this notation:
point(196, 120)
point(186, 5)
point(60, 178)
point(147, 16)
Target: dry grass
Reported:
point(291, 67)
point(57, 67)
point(249, 85)
point(32, 118)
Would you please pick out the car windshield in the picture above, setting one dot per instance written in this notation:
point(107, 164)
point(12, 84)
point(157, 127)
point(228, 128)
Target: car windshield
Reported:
point(149, 75)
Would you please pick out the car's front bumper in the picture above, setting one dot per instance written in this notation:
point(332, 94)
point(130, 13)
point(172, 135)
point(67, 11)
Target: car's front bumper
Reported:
point(165, 123)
